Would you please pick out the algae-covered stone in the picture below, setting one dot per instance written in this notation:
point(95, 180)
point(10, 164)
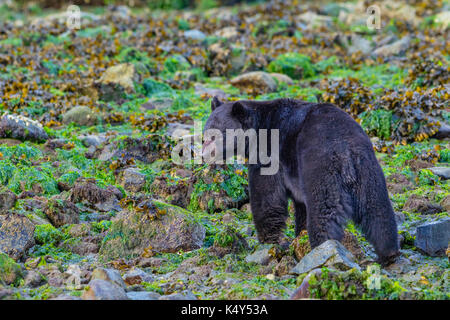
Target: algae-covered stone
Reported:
point(7, 200)
point(10, 271)
point(61, 212)
point(16, 235)
point(157, 227)
point(80, 115)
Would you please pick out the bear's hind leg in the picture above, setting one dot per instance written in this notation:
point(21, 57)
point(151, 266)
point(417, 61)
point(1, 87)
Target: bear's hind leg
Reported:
point(268, 201)
point(300, 217)
point(327, 207)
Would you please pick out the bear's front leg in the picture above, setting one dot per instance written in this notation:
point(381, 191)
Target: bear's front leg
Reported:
point(268, 201)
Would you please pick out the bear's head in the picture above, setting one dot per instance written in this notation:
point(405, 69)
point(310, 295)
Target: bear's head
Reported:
point(225, 116)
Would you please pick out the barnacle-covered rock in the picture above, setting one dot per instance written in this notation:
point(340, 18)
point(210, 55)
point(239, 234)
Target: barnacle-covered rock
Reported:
point(22, 128)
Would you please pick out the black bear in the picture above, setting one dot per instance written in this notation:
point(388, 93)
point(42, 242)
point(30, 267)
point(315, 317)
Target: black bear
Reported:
point(327, 166)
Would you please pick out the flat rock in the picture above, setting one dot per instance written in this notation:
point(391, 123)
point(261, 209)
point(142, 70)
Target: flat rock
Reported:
point(433, 238)
point(331, 253)
point(143, 295)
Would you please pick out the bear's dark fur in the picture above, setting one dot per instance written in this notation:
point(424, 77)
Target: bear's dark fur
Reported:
point(327, 167)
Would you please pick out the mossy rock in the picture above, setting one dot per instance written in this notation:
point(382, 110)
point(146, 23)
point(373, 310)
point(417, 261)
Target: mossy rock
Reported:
point(10, 271)
point(153, 227)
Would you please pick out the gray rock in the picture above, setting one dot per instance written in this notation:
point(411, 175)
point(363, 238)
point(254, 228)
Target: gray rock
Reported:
point(394, 48)
point(7, 200)
point(133, 180)
point(143, 295)
point(80, 115)
point(433, 238)
point(443, 172)
point(92, 140)
point(104, 290)
point(16, 235)
point(185, 295)
point(360, 44)
point(136, 276)
point(443, 132)
point(194, 34)
point(21, 128)
point(331, 253)
point(259, 257)
point(110, 275)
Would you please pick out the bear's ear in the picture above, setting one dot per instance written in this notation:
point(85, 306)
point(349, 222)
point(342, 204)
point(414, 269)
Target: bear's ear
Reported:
point(240, 112)
point(215, 103)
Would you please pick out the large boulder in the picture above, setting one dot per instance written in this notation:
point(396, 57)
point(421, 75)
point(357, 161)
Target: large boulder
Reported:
point(433, 238)
point(16, 235)
point(21, 128)
point(255, 82)
point(331, 253)
point(152, 227)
